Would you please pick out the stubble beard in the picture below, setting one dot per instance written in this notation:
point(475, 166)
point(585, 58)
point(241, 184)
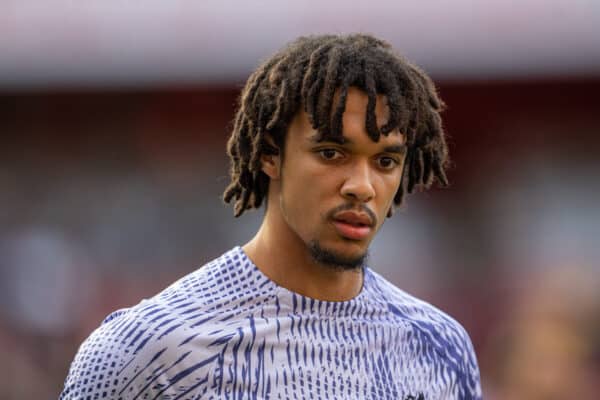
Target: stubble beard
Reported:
point(327, 258)
point(334, 260)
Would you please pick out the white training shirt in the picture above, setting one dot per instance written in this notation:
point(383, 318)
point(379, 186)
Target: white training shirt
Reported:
point(226, 331)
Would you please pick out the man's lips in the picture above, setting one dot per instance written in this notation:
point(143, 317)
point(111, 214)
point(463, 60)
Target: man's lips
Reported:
point(350, 231)
point(353, 225)
point(354, 218)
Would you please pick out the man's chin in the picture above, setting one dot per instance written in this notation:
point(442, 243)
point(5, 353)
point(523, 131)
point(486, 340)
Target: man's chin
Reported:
point(337, 259)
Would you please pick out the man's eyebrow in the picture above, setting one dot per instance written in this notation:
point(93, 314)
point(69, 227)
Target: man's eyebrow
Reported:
point(338, 140)
point(398, 148)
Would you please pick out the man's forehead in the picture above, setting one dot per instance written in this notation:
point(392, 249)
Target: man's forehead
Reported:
point(357, 104)
point(355, 115)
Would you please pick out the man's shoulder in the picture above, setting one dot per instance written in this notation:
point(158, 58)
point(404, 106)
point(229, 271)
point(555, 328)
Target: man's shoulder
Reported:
point(187, 301)
point(426, 321)
point(432, 334)
point(162, 327)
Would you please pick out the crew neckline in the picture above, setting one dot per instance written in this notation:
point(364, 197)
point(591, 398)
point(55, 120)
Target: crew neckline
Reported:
point(301, 304)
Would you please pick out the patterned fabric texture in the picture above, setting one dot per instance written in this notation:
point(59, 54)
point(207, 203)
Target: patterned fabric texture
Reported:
point(226, 331)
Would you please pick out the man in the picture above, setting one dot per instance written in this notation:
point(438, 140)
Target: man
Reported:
point(330, 133)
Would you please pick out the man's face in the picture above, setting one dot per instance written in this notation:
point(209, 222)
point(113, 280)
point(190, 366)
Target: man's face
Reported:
point(334, 196)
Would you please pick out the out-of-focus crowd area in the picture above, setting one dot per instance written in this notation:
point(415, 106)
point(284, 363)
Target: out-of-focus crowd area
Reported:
point(107, 197)
point(113, 124)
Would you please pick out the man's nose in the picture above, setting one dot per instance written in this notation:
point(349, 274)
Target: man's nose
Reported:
point(358, 185)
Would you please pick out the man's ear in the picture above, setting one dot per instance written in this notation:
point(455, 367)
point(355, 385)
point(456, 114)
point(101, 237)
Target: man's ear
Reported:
point(390, 212)
point(270, 158)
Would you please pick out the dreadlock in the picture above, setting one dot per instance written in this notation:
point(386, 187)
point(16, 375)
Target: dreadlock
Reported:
point(307, 73)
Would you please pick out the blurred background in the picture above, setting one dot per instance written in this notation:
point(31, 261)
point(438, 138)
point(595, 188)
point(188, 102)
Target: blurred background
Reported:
point(113, 121)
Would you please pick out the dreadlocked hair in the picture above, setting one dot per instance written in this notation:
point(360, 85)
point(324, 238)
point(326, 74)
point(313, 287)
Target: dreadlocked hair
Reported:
point(307, 73)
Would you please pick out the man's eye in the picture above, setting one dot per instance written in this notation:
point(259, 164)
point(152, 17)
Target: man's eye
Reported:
point(329, 154)
point(387, 162)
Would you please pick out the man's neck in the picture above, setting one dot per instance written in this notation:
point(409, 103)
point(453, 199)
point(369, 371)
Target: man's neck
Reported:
point(287, 262)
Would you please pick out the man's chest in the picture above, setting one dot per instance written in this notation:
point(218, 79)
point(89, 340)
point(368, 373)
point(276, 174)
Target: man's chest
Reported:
point(306, 360)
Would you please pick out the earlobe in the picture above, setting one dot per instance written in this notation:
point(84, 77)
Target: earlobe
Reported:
point(269, 158)
point(270, 165)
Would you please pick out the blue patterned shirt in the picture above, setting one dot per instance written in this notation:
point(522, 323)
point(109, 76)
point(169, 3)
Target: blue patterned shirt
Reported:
point(226, 331)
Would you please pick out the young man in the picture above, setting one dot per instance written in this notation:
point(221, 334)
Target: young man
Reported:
point(330, 133)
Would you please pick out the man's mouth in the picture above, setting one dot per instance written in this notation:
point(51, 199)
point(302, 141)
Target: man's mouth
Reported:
point(353, 225)
point(352, 231)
